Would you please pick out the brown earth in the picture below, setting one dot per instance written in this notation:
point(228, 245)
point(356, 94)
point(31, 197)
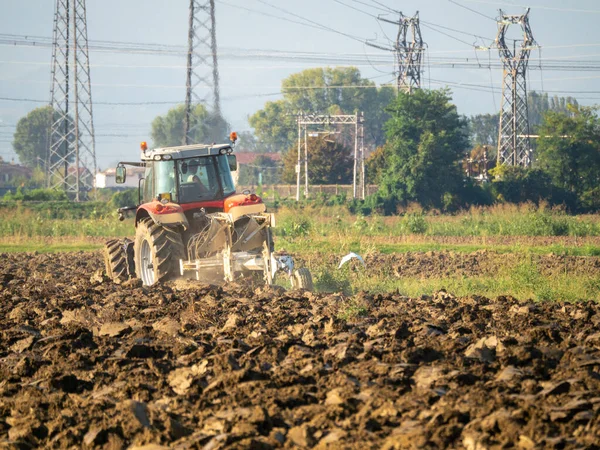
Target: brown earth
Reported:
point(444, 264)
point(88, 363)
point(440, 264)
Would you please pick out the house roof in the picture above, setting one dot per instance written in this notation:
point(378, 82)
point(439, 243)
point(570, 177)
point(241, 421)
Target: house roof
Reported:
point(250, 157)
point(14, 169)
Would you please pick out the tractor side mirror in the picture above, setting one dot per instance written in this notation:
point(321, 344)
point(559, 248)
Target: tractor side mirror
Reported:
point(232, 160)
point(120, 175)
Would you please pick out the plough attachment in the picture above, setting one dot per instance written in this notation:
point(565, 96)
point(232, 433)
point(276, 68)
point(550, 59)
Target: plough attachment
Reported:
point(232, 247)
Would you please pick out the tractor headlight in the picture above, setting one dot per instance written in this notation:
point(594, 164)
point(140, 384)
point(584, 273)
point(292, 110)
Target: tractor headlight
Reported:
point(157, 157)
point(166, 157)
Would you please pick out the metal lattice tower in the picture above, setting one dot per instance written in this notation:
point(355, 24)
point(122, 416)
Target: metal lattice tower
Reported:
point(202, 66)
point(513, 141)
point(408, 51)
point(71, 161)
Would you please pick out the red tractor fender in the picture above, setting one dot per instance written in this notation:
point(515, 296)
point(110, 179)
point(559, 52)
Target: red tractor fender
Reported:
point(241, 204)
point(164, 214)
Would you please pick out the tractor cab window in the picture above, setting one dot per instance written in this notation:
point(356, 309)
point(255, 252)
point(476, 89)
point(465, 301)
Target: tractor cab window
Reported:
point(225, 174)
point(197, 180)
point(164, 175)
point(148, 182)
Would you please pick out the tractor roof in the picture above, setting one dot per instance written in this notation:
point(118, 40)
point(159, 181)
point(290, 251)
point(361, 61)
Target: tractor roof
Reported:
point(186, 151)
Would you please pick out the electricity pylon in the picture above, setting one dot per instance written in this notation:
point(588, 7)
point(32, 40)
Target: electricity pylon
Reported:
point(513, 141)
point(408, 51)
point(71, 161)
point(202, 66)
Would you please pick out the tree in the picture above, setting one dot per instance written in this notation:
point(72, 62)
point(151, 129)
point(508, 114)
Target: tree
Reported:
point(339, 90)
point(483, 130)
point(274, 126)
point(426, 141)
point(30, 141)
point(207, 127)
point(569, 151)
point(263, 170)
point(375, 165)
point(329, 162)
point(515, 184)
point(246, 142)
point(538, 104)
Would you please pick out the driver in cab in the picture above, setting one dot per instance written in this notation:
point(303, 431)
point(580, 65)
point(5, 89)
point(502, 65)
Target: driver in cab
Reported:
point(194, 177)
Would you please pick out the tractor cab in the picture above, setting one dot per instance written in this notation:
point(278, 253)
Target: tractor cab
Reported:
point(182, 181)
point(188, 175)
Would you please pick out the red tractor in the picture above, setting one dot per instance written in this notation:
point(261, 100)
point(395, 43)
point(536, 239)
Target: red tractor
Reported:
point(191, 223)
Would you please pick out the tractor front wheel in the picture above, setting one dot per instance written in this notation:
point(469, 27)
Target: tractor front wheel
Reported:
point(157, 252)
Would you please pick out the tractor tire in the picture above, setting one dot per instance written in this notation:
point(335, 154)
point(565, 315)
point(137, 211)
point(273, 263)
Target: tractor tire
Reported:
point(118, 259)
point(157, 252)
point(302, 279)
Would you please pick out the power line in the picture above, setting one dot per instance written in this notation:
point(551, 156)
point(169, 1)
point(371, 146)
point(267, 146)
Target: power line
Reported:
point(472, 10)
point(355, 9)
point(385, 6)
point(448, 35)
point(535, 6)
point(312, 21)
point(371, 6)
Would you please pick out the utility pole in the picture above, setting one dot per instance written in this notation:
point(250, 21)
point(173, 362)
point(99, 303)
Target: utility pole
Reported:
point(514, 147)
point(304, 120)
point(71, 138)
point(408, 51)
point(202, 64)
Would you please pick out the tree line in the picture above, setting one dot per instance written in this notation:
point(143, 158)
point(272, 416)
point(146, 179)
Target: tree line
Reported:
point(420, 144)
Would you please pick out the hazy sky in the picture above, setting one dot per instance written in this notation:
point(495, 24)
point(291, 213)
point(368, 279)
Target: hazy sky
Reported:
point(246, 29)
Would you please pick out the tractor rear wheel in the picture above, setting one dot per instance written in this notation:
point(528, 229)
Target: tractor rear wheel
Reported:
point(118, 259)
point(302, 279)
point(157, 252)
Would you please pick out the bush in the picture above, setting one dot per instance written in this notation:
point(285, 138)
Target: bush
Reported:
point(295, 226)
point(38, 195)
point(128, 197)
point(415, 223)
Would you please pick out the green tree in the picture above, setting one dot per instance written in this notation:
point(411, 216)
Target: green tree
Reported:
point(426, 141)
point(569, 151)
point(483, 130)
point(339, 90)
point(540, 103)
point(207, 127)
point(329, 162)
point(274, 126)
point(263, 170)
point(246, 142)
point(30, 141)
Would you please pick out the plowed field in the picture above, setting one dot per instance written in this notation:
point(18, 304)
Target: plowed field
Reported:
point(85, 362)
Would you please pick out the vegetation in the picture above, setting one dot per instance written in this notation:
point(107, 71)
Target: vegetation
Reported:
point(263, 170)
point(31, 138)
point(426, 139)
point(330, 92)
point(569, 152)
point(329, 161)
point(205, 127)
point(484, 128)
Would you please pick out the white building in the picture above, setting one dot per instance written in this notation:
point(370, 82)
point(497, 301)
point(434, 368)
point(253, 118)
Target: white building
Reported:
point(106, 179)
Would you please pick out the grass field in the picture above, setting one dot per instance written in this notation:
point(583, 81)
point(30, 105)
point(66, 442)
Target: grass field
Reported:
point(314, 234)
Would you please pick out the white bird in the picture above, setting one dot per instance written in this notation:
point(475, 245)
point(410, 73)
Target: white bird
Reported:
point(350, 256)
